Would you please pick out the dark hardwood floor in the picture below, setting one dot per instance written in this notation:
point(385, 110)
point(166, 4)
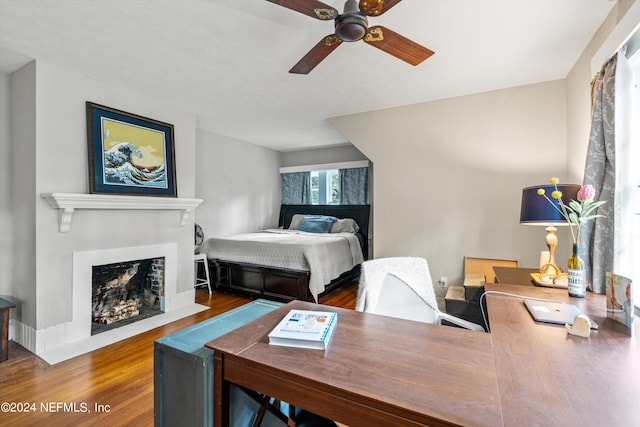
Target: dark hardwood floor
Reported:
point(110, 386)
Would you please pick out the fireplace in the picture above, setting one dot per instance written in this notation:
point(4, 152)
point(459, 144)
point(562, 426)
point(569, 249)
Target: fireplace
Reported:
point(125, 292)
point(72, 336)
point(81, 325)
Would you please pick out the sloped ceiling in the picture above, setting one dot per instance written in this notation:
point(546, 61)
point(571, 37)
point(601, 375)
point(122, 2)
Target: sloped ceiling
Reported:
point(228, 60)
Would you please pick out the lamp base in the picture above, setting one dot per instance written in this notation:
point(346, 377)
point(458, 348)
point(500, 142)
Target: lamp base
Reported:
point(550, 270)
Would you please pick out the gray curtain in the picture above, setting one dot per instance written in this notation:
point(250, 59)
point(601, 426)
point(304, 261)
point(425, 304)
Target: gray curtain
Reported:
point(604, 245)
point(296, 188)
point(354, 186)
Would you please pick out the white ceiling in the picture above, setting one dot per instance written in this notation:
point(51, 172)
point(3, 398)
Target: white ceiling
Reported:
point(228, 60)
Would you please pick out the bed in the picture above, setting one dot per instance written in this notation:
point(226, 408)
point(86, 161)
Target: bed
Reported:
point(284, 264)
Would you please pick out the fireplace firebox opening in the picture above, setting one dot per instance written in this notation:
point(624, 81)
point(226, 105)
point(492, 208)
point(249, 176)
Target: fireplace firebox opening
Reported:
point(126, 292)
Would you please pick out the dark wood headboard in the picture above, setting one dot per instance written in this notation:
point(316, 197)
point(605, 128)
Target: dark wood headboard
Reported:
point(359, 213)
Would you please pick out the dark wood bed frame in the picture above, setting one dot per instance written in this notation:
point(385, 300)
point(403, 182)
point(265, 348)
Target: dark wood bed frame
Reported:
point(283, 284)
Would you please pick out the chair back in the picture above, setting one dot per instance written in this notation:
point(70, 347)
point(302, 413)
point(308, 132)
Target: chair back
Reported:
point(413, 271)
point(397, 299)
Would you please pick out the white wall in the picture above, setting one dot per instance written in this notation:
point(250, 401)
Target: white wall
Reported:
point(240, 185)
point(50, 147)
point(449, 174)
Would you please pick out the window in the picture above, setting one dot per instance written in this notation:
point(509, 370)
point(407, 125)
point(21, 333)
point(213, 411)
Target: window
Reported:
point(325, 187)
point(342, 183)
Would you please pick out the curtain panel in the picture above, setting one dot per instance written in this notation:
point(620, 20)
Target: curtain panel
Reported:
point(354, 186)
point(605, 241)
point(296, 188)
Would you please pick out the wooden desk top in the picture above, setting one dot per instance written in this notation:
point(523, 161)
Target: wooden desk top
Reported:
point(383, 370)
point(550, 378)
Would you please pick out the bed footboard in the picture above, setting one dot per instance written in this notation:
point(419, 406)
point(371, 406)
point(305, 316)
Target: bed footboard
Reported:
point(278, 284)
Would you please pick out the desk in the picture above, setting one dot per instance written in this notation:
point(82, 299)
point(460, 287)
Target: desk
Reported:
point(5, 306)
point(549, 378)
point(377, 371)
point(384, 371)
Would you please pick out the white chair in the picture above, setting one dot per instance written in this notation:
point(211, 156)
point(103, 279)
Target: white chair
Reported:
point(401, 287)
point(199, 281)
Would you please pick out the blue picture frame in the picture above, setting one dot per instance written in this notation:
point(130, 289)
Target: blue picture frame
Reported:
point(129, 154)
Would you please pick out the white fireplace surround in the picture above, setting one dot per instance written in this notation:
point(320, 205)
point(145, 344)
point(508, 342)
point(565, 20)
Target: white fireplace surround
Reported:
point(70, 339)
point(80, 325)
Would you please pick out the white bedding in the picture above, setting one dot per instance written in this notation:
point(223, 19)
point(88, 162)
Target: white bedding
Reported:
point(326, 256)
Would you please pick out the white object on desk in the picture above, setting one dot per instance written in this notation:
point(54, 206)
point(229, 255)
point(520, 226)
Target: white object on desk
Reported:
point(581, 326)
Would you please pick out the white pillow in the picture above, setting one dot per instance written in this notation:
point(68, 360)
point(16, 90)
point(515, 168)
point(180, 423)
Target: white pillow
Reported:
point(345, 225)
point(295, 221)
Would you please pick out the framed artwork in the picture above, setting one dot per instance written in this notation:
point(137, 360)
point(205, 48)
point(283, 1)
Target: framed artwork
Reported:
point(129, 154)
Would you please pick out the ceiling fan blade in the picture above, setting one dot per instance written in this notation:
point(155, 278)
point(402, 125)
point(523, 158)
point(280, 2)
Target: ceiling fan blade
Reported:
point(313, 8)
point(376, 7)
point(397, 45)
point(316, 55)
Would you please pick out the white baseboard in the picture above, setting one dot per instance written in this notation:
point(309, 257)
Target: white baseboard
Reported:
point(61, 342)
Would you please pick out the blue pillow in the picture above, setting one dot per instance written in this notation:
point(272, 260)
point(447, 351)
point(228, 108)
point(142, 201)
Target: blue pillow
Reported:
point(317, 223)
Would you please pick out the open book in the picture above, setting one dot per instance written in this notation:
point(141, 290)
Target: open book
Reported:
point(304, 328)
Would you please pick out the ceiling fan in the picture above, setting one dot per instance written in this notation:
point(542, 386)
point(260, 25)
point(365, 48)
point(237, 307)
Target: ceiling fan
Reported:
point(351, 26)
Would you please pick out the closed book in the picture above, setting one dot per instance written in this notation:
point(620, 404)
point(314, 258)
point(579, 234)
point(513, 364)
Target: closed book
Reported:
point(305, 329)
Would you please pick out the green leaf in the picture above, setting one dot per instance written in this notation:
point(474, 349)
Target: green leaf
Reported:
point(575, 206)
point(573, 218)
point(592, 207)
point(590, 217)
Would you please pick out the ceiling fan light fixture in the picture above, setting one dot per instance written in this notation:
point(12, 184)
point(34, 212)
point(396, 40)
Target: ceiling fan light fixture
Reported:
point(351, 27)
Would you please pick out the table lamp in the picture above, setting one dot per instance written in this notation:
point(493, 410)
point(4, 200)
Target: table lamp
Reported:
point(536, 210)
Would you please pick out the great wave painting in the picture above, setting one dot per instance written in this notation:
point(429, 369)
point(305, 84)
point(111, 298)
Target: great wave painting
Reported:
point(129, 153)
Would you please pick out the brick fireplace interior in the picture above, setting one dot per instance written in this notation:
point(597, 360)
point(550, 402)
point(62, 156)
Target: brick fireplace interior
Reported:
point(126, 292)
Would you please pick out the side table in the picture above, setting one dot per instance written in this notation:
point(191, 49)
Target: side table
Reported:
point(5, 306)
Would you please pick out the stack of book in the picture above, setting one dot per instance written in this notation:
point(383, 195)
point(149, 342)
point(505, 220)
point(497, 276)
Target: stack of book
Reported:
point(305, 329)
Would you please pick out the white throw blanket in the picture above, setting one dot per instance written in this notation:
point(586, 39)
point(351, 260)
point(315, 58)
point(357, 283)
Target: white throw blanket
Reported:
point(413, 271)
point(325, 256)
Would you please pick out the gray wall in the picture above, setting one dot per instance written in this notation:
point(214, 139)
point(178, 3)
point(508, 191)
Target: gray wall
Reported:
point(23, 188)
point(449, 174)
point(240, 185)
point(240, 182)
point(341, 153)
point(6, 259)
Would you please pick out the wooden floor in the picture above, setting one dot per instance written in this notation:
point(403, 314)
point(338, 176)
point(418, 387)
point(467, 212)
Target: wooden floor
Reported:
point(110, 386)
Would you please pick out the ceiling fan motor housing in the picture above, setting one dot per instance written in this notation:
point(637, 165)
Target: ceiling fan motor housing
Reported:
point(351, 26)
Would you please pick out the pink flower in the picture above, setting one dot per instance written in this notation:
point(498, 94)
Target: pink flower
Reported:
point(587, 192)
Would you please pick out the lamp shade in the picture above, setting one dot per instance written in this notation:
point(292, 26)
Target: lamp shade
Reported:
point(536, 209)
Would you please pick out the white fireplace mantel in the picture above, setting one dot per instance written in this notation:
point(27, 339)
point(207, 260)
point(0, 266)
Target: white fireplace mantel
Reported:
point(69, 202)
